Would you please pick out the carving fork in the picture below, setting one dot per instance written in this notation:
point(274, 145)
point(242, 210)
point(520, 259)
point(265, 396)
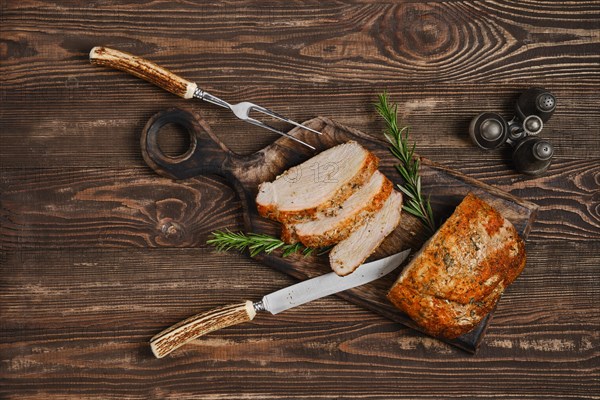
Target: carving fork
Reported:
point(181, 87)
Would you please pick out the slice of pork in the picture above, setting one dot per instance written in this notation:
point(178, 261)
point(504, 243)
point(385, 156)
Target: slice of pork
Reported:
point(351, 252)
point(337, 224)
point(319, 183)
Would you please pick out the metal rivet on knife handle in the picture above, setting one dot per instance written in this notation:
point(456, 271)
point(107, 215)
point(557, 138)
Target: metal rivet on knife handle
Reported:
point(200, 324)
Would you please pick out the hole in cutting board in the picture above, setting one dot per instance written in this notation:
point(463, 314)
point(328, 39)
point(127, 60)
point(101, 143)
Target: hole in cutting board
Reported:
point(174, 140)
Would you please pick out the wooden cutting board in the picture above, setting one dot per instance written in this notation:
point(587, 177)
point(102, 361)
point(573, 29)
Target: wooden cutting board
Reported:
point(446, 189)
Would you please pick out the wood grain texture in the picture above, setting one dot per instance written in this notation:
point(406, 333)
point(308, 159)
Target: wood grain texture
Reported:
point(107, 207)
point(107, 131)
point(97, 323)
point(98, 253)
point(302, 59)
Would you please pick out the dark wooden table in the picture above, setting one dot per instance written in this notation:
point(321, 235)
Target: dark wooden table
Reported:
point(90, 271)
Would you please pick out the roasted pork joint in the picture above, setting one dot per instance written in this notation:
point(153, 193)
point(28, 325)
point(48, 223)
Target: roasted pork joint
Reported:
point(461, 272)
point(319, 183)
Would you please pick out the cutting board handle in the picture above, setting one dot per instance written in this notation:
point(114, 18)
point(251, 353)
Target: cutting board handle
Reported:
point(206, 154)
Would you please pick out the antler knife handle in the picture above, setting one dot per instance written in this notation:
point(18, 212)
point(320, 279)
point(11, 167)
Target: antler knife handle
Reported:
point(200, 324)
point(144, 69)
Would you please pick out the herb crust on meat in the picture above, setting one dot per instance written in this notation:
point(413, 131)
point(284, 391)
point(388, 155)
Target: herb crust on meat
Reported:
point(461, 272)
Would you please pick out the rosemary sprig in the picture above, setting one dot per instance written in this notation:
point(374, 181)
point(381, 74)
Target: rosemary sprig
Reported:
point(255, 242)
point(409, 165)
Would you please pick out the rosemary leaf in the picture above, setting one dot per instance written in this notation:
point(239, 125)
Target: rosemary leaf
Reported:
point(255, 243)
point(409, 165)
point(405, 191)
point(413, 211)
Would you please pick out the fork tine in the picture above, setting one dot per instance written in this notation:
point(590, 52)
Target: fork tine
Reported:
point(282, 118)
point(303, 126)
point(263, 125)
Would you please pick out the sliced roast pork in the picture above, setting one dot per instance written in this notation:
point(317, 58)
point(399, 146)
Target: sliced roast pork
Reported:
point(288, 233)
point(336, 224)
point(461, 272)
point(351, 252)
point(325, 180)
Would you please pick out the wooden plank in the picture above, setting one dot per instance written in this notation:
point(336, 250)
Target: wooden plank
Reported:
point(98, 113)
point(92, 329)
point(328, 41)
point(93, 208)
point(48, 208)
point(94, 126)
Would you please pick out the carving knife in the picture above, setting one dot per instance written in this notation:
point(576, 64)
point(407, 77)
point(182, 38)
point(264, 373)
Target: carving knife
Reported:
point(276, 302)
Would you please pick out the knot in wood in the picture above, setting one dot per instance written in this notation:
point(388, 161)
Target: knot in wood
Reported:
point(171, 229)
point(427, 33)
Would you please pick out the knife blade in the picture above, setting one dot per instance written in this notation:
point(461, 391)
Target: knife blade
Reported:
point(327, 284)
point(311, 289)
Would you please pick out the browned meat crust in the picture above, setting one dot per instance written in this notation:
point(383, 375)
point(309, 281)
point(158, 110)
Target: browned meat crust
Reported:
point(288, 234)
point(369, 166)
point(460, 274)
point(338, 233)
